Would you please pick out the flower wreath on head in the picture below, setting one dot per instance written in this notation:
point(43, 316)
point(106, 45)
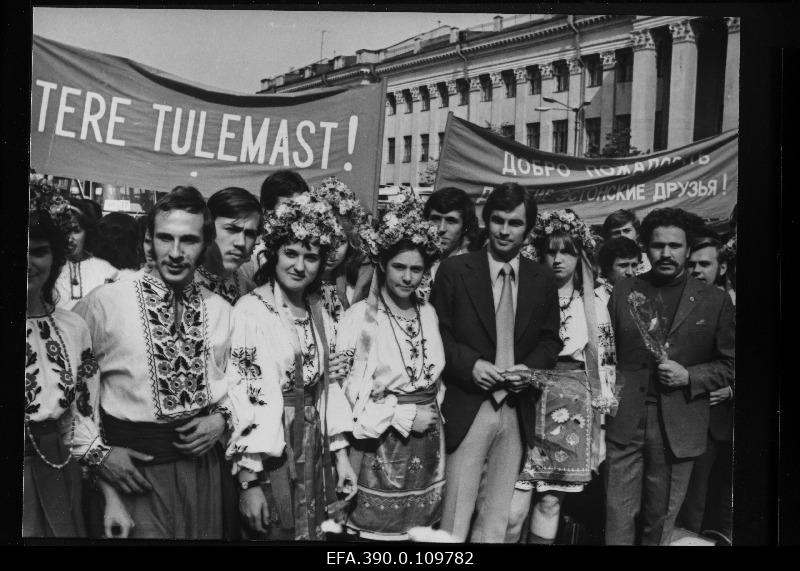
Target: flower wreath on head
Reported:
point(44, 197)
point(304, 218)
point(404, 221)
point(345, 203)
point(728, 251)
point(562, 220)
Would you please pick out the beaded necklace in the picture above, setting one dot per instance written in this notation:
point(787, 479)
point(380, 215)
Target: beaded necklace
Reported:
point(75, 279)
point(413, 375)
point(28, 433)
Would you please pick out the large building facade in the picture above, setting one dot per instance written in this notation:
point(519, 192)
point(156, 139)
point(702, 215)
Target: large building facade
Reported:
point(559, 83)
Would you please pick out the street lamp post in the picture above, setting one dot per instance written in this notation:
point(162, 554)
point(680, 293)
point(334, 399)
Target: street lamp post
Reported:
point(575, 110)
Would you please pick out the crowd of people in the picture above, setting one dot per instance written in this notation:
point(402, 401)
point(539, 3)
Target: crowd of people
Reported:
point(289, 367)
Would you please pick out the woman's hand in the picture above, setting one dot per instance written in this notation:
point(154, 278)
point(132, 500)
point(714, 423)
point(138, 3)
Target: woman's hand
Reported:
point(117, 522)
point(254, 509)
point(426, 418)
point(347, 479)
point(339, 366)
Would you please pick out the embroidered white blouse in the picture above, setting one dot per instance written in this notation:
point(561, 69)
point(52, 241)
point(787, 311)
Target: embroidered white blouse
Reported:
point(393, 354)
point(88, 274)
point(262, 361)
point(150, 369)
point(61, 381)
point(230, 287)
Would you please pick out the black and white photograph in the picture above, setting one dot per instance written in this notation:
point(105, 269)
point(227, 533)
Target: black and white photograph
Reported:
point(391, 276)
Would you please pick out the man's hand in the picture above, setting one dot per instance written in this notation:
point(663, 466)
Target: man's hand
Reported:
point(117, 522)
point(516, 383)
point(425, 419)
point(720, 395)
point(347, 480)
point(200, 434)
point(673, 374)
point(118, 470)
point(485, 374)
point(254, 509)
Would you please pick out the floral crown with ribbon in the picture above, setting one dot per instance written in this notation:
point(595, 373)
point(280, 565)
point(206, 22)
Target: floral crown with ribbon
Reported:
point(304, 218)
point(44, 197)
point(404, 221)
point(345, 204)
point(562, 220)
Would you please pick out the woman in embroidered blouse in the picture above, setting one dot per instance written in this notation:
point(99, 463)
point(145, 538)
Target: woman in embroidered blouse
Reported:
point(394, 388)
point(279, 353)
point(61, 381)
point(563, 252)
point(83, 272)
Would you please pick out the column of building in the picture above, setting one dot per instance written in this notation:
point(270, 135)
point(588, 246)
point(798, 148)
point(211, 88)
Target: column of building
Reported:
point(683, 84)
point(574, 99)
point(730, 106)
point(546, 123)
point(608, 96)
point(643, 94)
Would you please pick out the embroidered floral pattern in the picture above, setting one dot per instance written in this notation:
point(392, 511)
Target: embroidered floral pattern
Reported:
point(560, 456)
point(95, 456)
point(57, 355)
point(415, 465)
point(560, 415)
point(86, 370)
point(177, 352)
point(32, 387)
point(572, 439)
point(244, 359)
point(227, 287)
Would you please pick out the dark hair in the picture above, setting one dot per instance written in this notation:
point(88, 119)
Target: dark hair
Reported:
point(83, 213)
point(449, 199)
point(404, 245)
point(706, 242)
point(267, 271)
point(564, 241)
point(619, 247)
point(234, 202)
point(618, 219)
point(118, 240)
point(508, 196)
point(284, 182)
point(354, 257)
point(690, 223)
point(94, 207)
point(42, 227)
point(141, 224)
point(186, 198)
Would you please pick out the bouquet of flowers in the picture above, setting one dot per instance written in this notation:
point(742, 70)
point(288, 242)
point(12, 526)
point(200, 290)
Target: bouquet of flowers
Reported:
point(404, 221)
point(305, 219)
point(562, 220)
point(43, 197)
point(650, 323)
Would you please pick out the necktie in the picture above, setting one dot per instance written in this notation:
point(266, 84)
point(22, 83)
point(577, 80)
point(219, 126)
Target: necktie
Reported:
point(504, 322)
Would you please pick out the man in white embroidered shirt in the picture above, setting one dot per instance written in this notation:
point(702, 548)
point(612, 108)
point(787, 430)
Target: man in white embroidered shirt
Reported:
point(162, 343)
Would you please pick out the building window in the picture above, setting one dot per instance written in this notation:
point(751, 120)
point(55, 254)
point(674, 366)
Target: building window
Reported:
point(507, 131)
point(424, 142)
point(624, 66)
point(532, 132)
point(510, 82)
point(407, 149)
point(534, 80)
point(392, 103)
point(463, 91)
point(562, 76)
point(594, 70)
point(425, 97)
point(592, 128)
point(390, 157)
point(486, 87)
point(560, 136)
point(441, 143)
point(444, 95)
point(409, 101)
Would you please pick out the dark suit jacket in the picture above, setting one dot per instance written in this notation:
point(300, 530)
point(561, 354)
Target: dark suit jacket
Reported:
point(701, 338)
point(462, 296)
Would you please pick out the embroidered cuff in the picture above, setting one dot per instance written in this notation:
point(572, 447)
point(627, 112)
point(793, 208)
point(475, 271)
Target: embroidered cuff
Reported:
point(403, 419)
point(226, 414)
point(338, 441)
point(250, 462)
point(95, 455)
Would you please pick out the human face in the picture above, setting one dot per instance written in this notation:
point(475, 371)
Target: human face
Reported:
point(623, 268)
point(40, 262)
point(507, 232)
point(705, 266)
point(177, 246)
point(451, 228)
point(627, 231)
point(336, 257)
point(236, 238)
point(667, 251)
point(297, 267)
point(403, 274)
point(76, 241)
point(562, 263)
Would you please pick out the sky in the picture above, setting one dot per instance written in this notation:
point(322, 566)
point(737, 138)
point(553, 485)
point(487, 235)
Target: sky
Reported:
point(234, 49)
